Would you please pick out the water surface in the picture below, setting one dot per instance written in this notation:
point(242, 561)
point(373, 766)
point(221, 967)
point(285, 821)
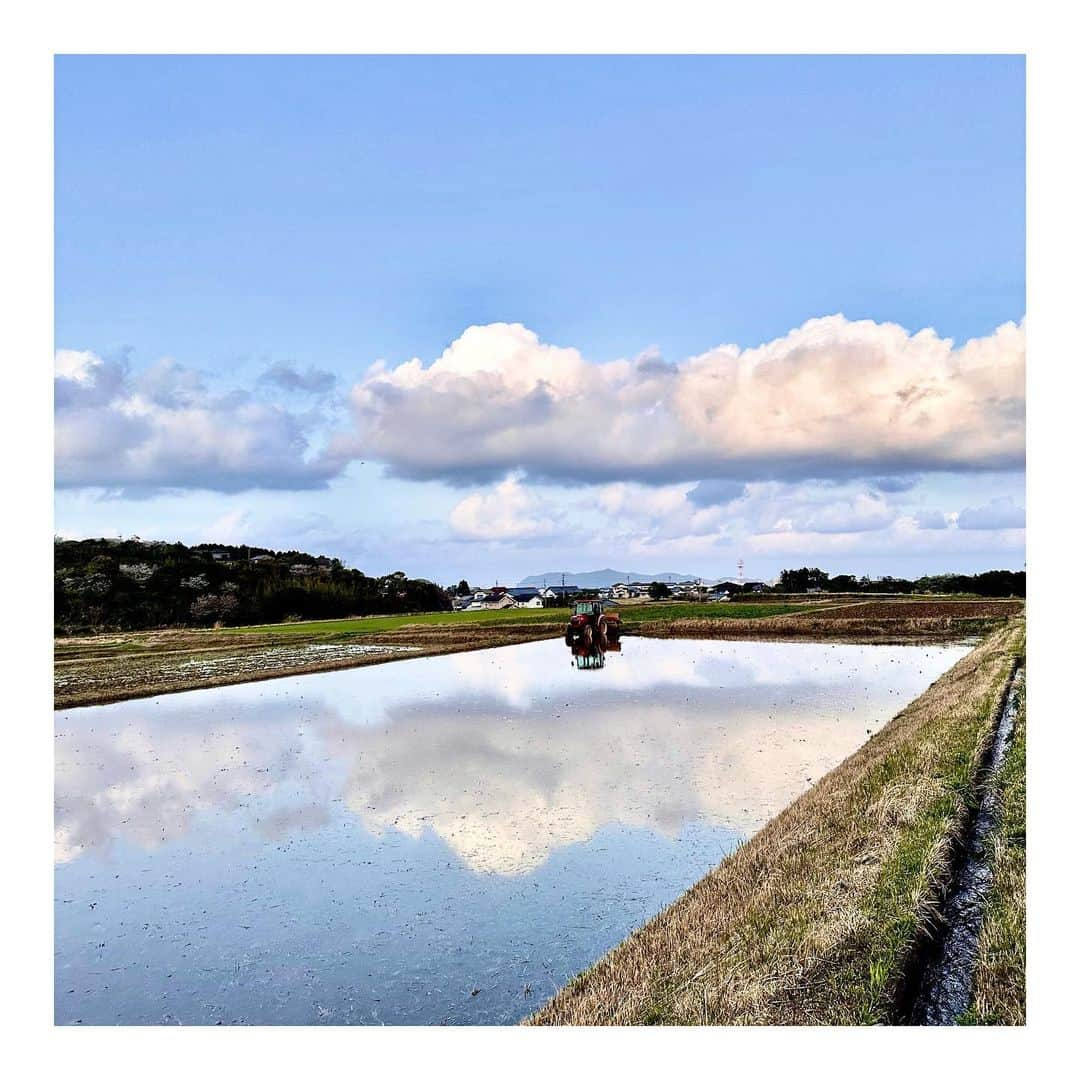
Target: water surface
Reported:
point(436, 840)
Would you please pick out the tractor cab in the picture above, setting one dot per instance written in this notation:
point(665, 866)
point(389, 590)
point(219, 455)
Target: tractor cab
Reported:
point(589, 608)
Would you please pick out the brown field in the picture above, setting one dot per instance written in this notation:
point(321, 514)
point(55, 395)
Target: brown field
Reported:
point(817, 919)
point(874, 622)
point(93, 671)
point(875, 610)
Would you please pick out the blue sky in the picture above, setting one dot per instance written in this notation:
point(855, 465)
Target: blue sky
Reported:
point(272, 226)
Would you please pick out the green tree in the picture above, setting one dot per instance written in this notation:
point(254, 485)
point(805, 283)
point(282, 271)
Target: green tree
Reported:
point(795, 581)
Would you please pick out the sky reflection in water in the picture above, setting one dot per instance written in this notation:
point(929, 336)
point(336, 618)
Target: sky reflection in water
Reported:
point(434, 840)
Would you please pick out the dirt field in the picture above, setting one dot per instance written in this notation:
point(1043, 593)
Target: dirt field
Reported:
point(922, 609)
point(884, 622)
point(93, 671)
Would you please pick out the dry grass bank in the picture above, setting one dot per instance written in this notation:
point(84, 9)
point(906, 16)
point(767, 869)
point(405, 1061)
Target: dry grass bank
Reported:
point(815, 920)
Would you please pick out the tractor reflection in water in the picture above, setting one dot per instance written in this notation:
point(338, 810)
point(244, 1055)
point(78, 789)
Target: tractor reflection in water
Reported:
point(594, 629)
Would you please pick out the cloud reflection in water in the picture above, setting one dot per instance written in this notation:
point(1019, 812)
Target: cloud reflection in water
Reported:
point(506, 755)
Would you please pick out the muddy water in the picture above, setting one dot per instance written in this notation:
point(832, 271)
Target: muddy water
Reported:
point(438, 840)
point(946, 985)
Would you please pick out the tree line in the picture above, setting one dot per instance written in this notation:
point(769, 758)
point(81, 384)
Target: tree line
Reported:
point(990, 583)
point(138, 585)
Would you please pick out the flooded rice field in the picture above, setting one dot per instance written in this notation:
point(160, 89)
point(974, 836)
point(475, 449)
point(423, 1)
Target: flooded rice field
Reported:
point(437, 840)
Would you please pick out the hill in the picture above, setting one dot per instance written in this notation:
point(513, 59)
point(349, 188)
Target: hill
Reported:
point(138, 584)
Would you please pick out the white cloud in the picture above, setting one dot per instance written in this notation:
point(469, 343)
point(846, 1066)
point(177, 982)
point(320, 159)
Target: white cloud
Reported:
point(999, 513)
point(776, 521)
point(161, 429)
point(761, 508)
point(505, 512)
point(833, 398)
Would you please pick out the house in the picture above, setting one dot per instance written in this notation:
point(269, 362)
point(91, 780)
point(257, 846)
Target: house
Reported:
point(525, 596)
point(492, 602)
point(491, 599)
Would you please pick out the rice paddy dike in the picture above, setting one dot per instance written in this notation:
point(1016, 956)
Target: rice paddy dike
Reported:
point(109, 667)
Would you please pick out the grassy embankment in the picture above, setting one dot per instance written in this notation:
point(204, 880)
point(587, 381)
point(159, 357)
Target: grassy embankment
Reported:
point(817, 919)
point(1000, 982)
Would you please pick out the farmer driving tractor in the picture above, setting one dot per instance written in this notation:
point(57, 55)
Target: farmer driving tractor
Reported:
point(591, 632)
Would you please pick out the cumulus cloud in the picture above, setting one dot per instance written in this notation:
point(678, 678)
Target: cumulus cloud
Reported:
point(161, 428)
point(783, 520)
point(1000, 513)
point(833, 398)
point(761, 507)
point(505, 512)
point(862, 512)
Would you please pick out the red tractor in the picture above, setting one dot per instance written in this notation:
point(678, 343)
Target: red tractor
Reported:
point(591, 625)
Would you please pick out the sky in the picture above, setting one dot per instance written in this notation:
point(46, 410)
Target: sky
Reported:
point(486, 317)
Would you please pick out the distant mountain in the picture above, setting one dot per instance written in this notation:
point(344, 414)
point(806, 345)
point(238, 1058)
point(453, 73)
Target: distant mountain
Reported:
point(599, 579)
